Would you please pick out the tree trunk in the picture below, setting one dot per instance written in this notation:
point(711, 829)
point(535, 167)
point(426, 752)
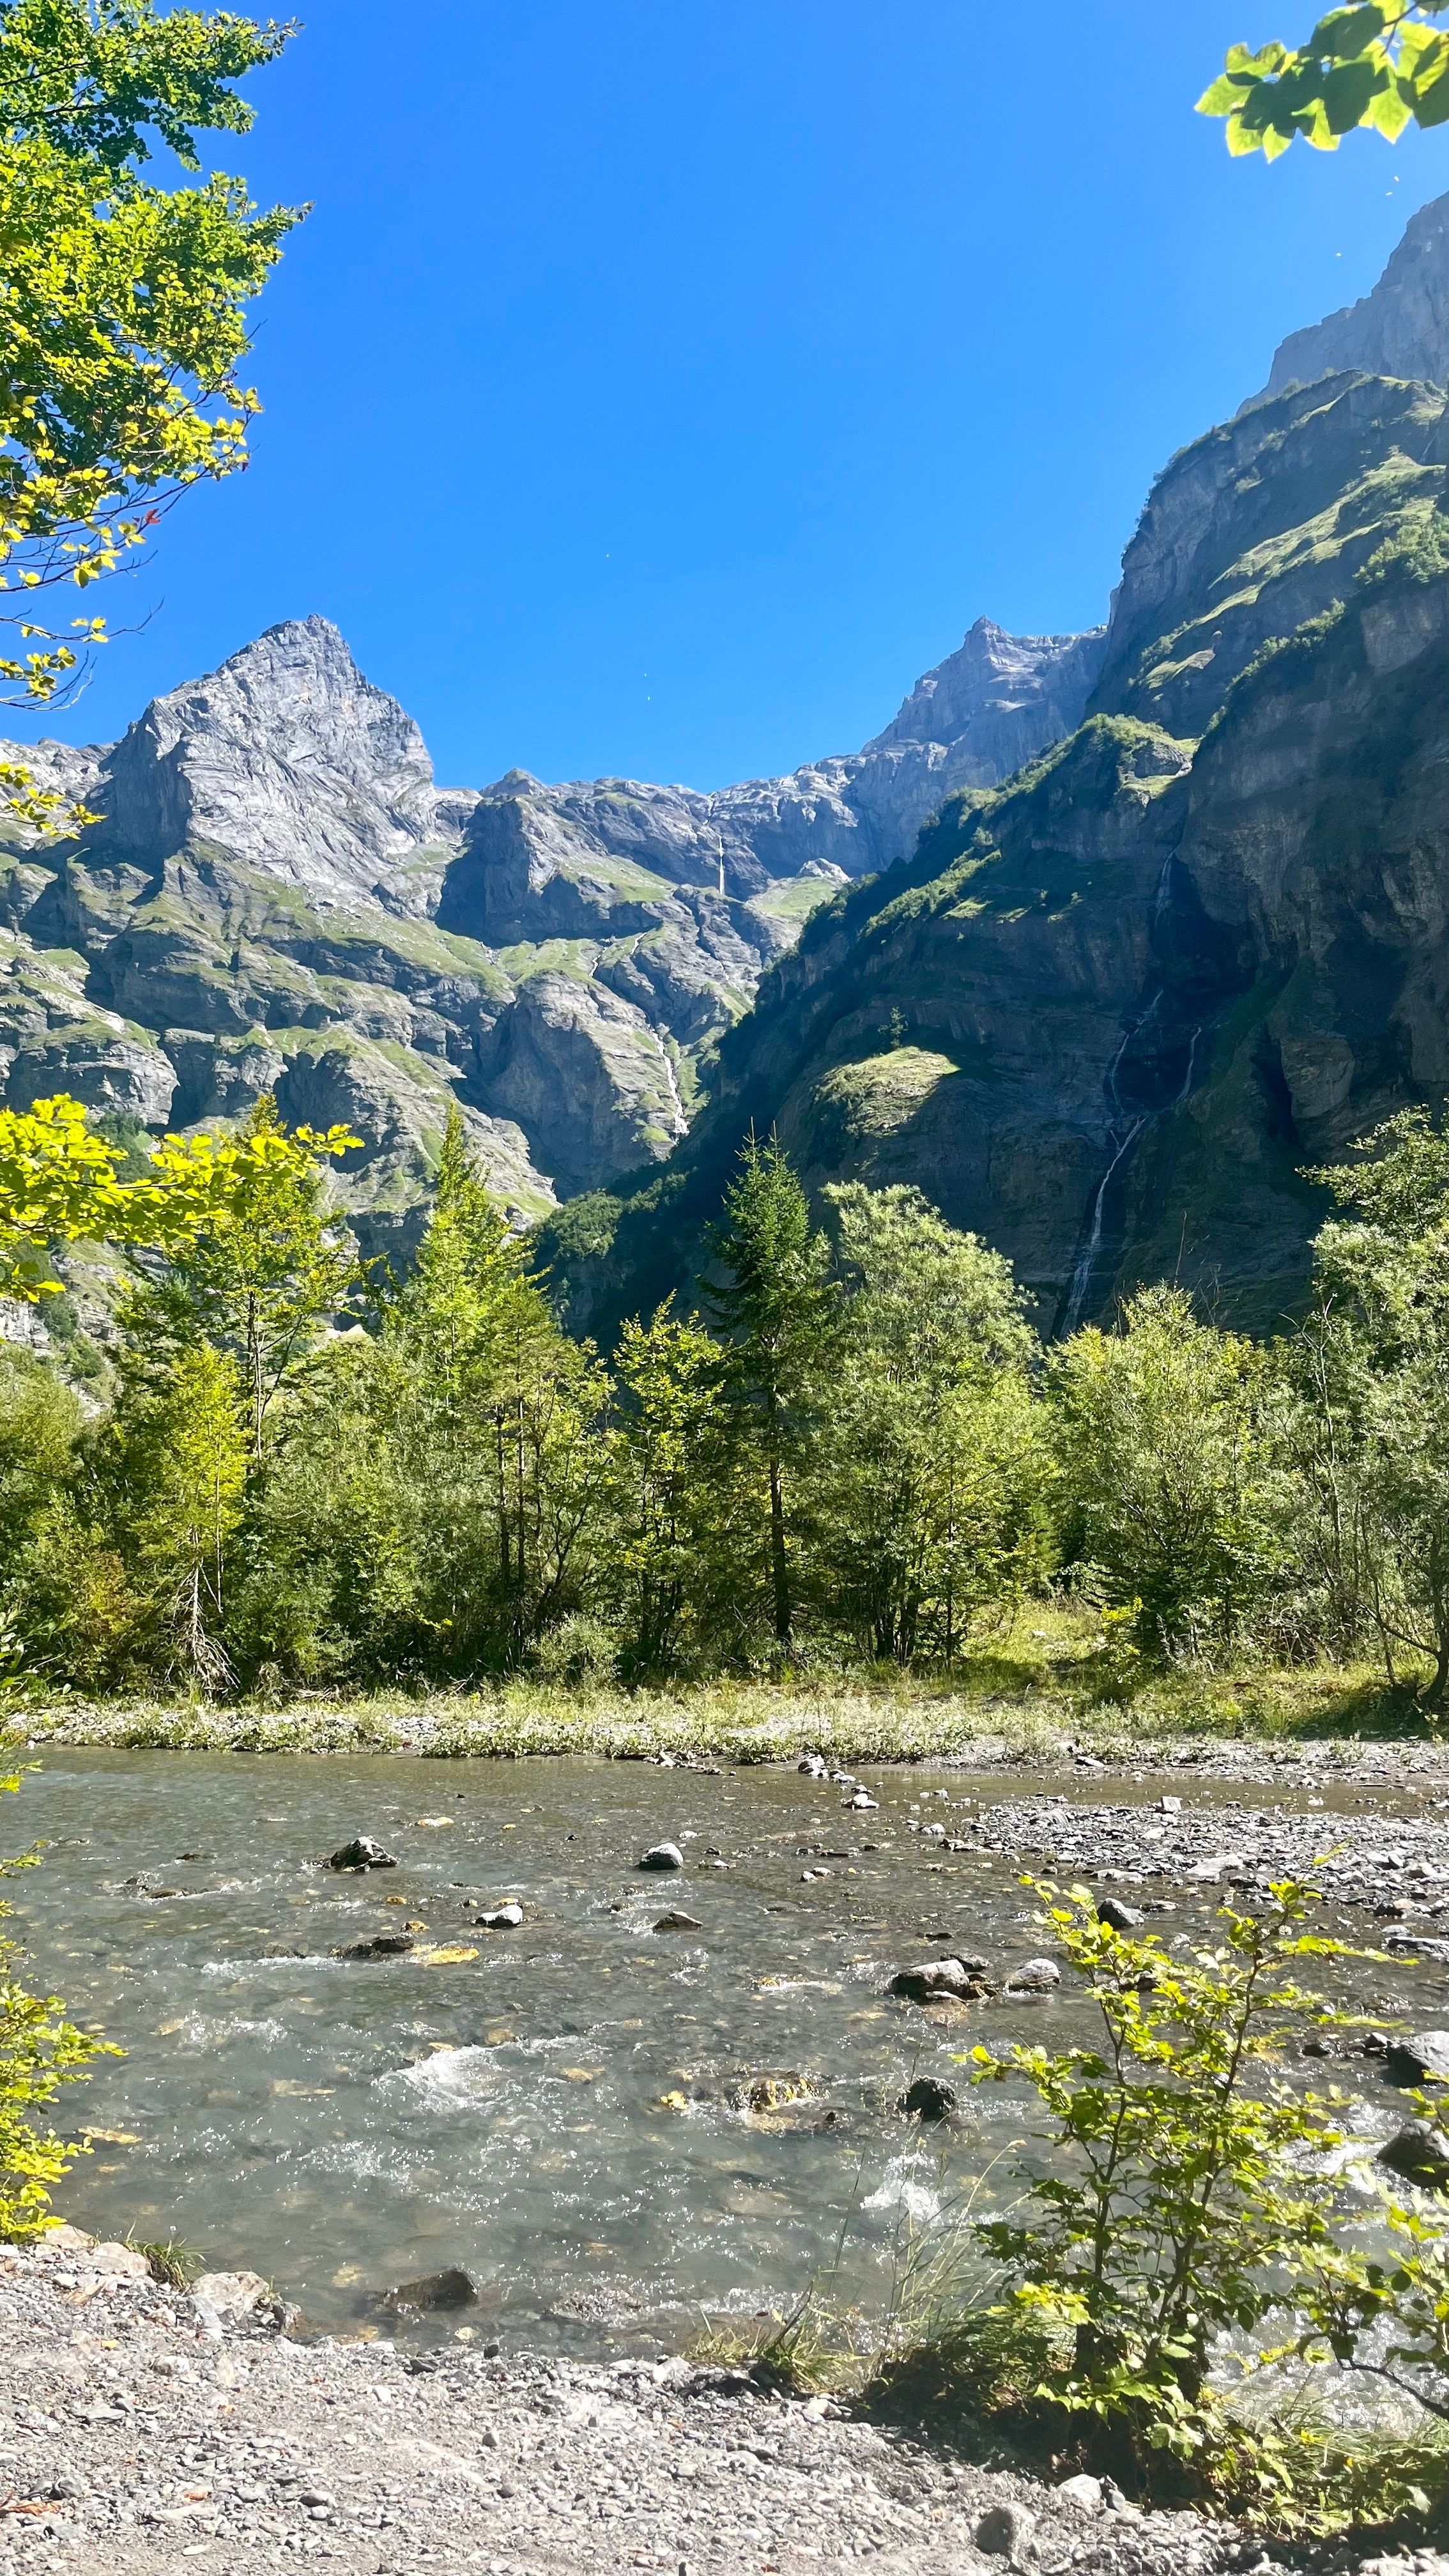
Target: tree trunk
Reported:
point(779, 1568)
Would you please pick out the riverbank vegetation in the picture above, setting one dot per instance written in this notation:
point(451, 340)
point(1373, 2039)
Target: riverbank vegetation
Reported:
point(846, 1466)
point(1188, 2273)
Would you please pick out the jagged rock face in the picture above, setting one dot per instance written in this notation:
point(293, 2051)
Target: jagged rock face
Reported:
point(601, 858)
point(286, 759)
point(277, 897)
point(1260, 526)
point(1401, 329)
point(1109, 1015)
point(999, 700)
point(586, 1063)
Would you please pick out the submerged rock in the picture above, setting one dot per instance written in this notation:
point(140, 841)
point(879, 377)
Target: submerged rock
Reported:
point(376, 1945)
point(928, 2099)
point(774, 2092)
point(362, 1853)
point(941, 1981)
point(663, 1856)
point(675, 1921)
point(436, 2291)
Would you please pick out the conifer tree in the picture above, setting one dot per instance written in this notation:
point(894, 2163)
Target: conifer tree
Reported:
point(777, 1306)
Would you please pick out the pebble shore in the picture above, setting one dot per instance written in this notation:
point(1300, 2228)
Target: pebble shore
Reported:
point(142, 2430)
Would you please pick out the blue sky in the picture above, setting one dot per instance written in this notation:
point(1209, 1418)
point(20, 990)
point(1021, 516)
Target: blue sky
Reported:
point(658, 390)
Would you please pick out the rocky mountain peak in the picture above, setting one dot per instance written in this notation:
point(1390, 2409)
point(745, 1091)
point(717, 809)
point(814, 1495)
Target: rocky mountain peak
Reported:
point(285, 758)
point(995, 683)
point(1400, 329)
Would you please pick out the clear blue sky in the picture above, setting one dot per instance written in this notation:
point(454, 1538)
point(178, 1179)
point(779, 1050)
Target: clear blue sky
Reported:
point(659, 389)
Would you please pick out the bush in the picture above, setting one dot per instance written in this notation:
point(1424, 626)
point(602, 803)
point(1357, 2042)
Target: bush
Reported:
point(39, 2051)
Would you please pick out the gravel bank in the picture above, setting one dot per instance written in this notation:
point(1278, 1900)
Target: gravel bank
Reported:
point(1397, 1864)
point(139, 2433)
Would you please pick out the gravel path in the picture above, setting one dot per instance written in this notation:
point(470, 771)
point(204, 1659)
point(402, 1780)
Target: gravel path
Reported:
point(136, 2433)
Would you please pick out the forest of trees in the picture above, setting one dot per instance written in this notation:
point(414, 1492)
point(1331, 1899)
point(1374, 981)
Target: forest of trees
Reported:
point(851, 1447)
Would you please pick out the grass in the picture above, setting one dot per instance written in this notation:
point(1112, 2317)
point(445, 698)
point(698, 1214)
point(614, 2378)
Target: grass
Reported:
point(171, 2262)
point(1024, 1692)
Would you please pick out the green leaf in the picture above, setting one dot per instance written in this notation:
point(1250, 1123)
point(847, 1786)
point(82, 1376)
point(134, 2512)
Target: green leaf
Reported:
point(1346, 32)
point(1389, 113)
point(1350, 91)
point(1431, 100)
point(1224, 94)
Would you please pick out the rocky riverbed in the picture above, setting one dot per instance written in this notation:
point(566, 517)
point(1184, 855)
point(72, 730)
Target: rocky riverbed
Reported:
point(145, 2431)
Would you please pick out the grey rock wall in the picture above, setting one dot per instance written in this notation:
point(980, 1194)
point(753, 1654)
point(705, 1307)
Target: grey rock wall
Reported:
point(1400, 329)
point(278, 896)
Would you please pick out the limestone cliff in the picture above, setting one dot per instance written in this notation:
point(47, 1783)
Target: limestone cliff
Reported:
point(277, 896)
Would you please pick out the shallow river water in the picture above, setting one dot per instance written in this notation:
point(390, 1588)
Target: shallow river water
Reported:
point(563, 2110)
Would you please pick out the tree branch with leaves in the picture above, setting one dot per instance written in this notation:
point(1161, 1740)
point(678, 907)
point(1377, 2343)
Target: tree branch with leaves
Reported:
point(1384, 66)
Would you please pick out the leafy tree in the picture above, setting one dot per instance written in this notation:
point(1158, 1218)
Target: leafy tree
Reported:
point(777, 1308)
point(1374, 1364)
point(40, 1423)
point(124, 315)
point(670, 1560)
point(1165, 1438)
point(435, 1497)
point(177, 1472)
point(930, 1474)
point(256, 1267)
point(1383, 65)
point(60, 1183)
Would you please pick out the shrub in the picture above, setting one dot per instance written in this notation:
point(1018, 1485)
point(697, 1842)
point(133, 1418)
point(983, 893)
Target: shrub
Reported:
point(39, 2051)
point(1185, 2181)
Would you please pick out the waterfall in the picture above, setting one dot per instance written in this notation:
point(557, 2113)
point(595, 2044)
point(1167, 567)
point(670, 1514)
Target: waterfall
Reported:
point(1121, 1137)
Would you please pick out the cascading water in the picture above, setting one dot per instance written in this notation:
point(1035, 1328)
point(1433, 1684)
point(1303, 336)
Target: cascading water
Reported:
point(1123, 1129)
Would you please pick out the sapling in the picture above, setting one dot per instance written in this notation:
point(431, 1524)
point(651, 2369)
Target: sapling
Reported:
point(1188, 2180)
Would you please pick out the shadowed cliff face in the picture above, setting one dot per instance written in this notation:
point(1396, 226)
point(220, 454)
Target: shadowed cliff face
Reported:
point(1108, 1013)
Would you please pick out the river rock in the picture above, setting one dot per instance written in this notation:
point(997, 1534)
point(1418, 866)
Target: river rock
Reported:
point(862, 1800)
point(118, 2262)
point(234, 2298)
point(928, 2099)
point(376, 1945)
point(362, 1853)
point(1424, 2059)
point(1420, 2153)
point(774, 2092)
point(675, 1921)
point(1120, 1917)
point(500, 1918)
point(1033, 1977)
point(663, 1856)
point(814, 1766)
point(1083, 2491)
point(1004, 2531)
point(941, 1981)
point(436, 2292)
